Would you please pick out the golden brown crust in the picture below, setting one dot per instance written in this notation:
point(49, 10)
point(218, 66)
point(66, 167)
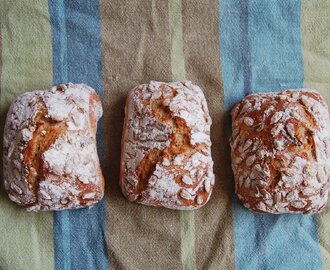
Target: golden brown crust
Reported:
point(166, 158)
point(280, 151)
point(50, 149)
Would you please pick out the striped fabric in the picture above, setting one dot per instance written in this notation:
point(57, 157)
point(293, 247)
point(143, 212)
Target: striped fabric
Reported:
point(79, 234)
point(228, 47)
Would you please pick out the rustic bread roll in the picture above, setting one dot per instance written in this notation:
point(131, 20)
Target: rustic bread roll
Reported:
point(166, 156)
point(280, 152)
point(50, 157)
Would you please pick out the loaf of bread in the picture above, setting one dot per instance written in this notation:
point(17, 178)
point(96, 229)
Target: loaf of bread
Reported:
point(166, 157)
point(280, 149)
point(50, 157)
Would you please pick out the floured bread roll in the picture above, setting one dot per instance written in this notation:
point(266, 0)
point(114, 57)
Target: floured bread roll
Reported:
point(280, 151)
point(50, 157)
point(166, 157)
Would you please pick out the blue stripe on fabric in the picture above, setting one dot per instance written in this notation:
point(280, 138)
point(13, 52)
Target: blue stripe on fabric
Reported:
point(59, 39)
point(260, 51)
point(79, 235)
point(62, 243)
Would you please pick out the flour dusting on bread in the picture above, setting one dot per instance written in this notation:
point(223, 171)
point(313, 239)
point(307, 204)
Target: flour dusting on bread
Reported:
point(281, 151)
point(166, 157)
point(50, 155)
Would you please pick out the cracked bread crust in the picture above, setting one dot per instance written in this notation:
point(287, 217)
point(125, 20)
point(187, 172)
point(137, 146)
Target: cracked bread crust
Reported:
point(50, 157)
point(280, 150)
point(166, 155)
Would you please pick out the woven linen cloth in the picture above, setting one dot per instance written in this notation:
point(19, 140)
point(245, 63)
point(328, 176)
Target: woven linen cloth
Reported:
point(230, 48)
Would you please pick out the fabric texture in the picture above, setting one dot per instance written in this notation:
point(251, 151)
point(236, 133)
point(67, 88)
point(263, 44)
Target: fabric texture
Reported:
point(230, 48)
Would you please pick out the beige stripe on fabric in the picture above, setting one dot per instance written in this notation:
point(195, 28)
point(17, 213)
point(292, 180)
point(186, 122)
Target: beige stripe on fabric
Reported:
point(136, 47)
point(213, 223)
point(315, 42)
point(187, 218)
point(26, 239)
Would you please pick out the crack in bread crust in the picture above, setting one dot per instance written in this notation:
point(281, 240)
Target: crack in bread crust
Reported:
point(44, 136)
point(180, 144)
point(146, 168)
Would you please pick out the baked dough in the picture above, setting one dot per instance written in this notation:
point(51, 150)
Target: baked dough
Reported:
point(166, 156)
point(50, 157)
point(280, 149)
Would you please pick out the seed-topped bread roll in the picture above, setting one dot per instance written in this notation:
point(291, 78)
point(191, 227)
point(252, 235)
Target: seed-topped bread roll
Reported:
point(50, 157)
point(280, 151)
point(166, 157)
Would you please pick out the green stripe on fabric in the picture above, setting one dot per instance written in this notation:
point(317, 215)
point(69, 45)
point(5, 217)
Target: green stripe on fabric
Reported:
point(315, 31)
point(315, 39)
point(26, 238)
point(187, 218)
point(177, 57)
point(188, 257)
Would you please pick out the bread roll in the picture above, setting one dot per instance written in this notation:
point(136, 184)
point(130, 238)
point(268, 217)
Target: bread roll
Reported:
point(280, 149)
point(166, 157)
point(50, 157)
